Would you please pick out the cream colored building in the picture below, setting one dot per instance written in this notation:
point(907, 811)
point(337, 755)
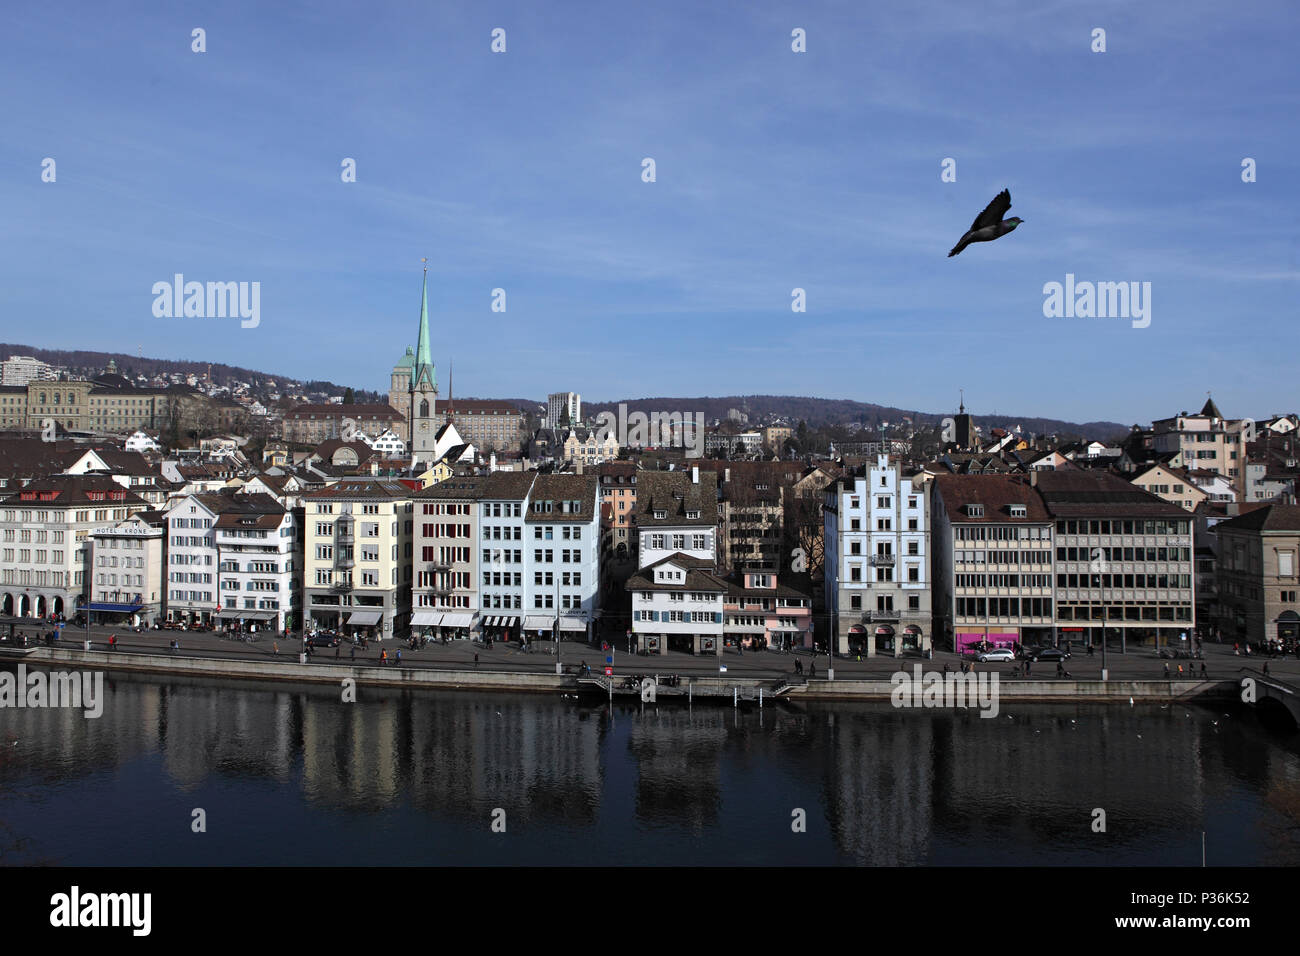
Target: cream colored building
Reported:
point(1206, 440)
point(358, 557)
point(586, 446)
point(126, 569)
point(44, 528)
point(1173, 485)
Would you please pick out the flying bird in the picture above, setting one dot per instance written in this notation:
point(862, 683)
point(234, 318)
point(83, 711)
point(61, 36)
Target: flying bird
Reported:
point(989, 224)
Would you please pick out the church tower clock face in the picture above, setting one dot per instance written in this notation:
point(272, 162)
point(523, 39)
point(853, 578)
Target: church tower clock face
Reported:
point(424, 426)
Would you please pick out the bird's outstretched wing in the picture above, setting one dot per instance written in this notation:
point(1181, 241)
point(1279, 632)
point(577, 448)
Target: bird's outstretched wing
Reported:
point(994, 211)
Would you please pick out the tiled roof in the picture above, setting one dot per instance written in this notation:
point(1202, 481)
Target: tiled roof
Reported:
point(457, 487)
point(995, 492)
point(673, 493)
point(64, 490)
point(1268, 518)
point(330, 410)
point(512, 485)
point(557, 488)
point(361, 488)
point(699, 576)
point(1092, 494)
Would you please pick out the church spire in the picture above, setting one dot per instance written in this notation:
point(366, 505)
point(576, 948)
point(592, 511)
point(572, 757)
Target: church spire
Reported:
point(424, 370)
point(451, 389)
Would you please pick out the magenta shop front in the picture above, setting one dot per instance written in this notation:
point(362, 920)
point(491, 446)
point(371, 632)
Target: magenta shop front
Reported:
point(966, 640)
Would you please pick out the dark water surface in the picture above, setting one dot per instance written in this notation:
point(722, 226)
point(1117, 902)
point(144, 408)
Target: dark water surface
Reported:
point(290, 775)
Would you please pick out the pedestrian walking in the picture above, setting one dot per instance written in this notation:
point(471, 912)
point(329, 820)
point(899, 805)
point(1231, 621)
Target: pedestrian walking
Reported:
point(337, 649)
point(1166, 670)
point(112, 642)
point(812, 669)
point(353, 653)
point(1027, 666)
point(1180, 671)
point(1203, 674)
point(399, 657)
point(383, 657)
point(1266, 668)
point(275, 647)
point(1060, 669)
point(476, 658)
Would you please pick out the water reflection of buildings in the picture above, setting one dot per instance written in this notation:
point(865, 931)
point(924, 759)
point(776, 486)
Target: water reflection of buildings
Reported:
point(236, 730)
point(678, 756)
point(879, 784)
point(898, 779)
point(453, 754)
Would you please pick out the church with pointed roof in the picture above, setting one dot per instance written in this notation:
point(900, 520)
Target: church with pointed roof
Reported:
point(413, 388)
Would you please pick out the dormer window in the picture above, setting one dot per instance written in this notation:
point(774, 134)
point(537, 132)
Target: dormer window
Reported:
point(692, 514)
point(1018, 511)
point(975, 511)
point(660, 515)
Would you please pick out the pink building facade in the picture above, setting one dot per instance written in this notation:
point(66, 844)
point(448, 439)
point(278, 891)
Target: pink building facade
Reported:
point(759, 612)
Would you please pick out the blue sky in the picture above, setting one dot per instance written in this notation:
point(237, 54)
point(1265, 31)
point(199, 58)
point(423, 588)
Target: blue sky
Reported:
point(775, 170)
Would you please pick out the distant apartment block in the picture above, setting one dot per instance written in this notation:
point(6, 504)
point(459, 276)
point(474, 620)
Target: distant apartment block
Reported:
point(563, 409)
point(21, 369)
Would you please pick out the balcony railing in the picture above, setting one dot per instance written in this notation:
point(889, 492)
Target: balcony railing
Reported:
point(340, 586)
point(882, 559)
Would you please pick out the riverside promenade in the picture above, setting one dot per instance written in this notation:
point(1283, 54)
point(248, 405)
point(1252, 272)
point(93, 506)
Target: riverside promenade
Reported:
point(506, 667)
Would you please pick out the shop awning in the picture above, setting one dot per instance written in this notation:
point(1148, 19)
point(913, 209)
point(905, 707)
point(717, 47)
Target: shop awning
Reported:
point(573, 624)
point(539, 622)
point(884, 630)
point(499, 621)
point(367, 616)
point(426, 618)
point(234, 614)
point(911, 629)
point(464, 619)
point(857, 629)
point(115, 608)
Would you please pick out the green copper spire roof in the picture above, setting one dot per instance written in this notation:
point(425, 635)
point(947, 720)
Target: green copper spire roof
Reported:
point(424, 370)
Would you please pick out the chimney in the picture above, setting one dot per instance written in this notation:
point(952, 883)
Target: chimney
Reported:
point(726, 476)
point(1033, 477)
point(695, 474)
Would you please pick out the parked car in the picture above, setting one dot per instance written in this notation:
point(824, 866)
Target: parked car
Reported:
point(323, 640)
point(1048, 654)
point(996, 654)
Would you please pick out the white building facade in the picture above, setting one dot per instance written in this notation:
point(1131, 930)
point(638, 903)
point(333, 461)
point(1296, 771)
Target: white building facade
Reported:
point(877, 562)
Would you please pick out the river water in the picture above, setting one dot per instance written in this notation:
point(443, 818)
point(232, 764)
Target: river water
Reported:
point(291, 775)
